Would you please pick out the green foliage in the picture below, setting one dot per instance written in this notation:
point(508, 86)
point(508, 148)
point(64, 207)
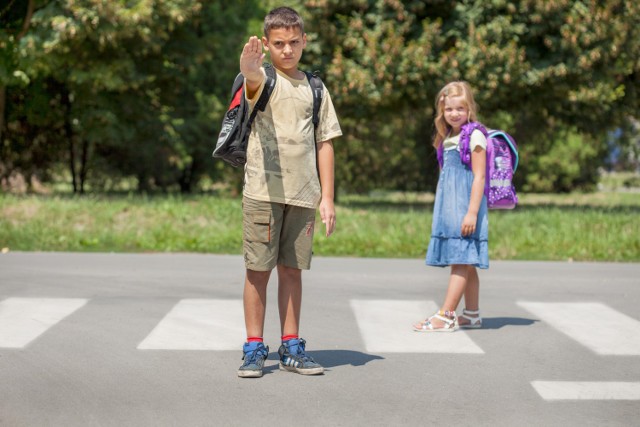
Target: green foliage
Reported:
point(109, 90)
point(140, 87)
point(571, 164)
point(544, 67)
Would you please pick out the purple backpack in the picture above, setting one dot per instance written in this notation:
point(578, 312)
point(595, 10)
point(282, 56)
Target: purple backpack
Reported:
point(502, 162)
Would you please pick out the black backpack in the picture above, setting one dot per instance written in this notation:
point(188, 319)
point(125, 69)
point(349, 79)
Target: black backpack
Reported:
point(236, 123)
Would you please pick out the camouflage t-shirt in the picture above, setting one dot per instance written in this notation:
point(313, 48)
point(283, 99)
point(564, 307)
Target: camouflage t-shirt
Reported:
point(281, 162)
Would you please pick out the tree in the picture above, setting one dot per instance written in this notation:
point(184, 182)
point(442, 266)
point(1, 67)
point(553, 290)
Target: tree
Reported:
point(540, 68)
point(110, 91)
point(15, 18)
point(134, 90)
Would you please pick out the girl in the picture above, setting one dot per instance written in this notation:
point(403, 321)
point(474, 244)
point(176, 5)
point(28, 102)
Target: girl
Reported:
point(460, 225)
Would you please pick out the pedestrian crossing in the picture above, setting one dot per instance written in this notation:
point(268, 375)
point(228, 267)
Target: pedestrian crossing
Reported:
point(596, 326)
point(587, 390)
point(383, 325)
point(22, 320)
point(199, 324)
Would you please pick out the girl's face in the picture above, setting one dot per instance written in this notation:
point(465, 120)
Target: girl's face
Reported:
point(456, 112)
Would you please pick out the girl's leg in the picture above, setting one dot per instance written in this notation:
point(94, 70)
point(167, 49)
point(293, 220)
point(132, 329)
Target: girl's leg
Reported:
point(457, 286)
point(471, 294)
point(458, 282)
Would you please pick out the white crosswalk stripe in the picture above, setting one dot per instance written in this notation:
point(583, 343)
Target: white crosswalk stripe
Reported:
point(199, 324)
point(385, 326)
point(585, 390)
point(594, 325)
point(22, 320)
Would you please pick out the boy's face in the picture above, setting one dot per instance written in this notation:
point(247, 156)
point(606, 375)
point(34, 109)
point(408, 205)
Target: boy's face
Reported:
point(285, 46)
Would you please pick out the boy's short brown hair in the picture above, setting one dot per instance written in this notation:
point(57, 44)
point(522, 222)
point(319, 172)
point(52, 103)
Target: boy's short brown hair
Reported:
point(282, 17)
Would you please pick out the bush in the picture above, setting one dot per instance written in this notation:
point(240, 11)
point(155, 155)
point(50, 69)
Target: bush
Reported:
point(571, 164)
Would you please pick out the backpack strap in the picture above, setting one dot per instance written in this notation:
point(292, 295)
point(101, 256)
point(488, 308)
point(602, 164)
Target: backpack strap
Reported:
point(261, 103)
point(465, 139)
point(269, 85)
point(317, 89)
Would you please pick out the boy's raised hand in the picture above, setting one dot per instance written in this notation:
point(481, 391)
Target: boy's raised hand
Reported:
point(251, 60)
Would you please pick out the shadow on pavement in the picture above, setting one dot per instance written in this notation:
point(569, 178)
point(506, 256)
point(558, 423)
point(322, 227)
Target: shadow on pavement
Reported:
point(499, 322)
point(333, 358)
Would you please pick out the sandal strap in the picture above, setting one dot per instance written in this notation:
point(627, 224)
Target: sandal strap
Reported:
point(446, 320)
point(449, 319)
point(444, 317)
point(471, 319)
point(473, 316)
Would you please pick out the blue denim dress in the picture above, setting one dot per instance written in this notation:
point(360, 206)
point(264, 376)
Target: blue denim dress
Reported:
point(447, 245)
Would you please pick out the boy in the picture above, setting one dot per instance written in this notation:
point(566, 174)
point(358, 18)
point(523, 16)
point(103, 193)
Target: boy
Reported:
point(282, 189)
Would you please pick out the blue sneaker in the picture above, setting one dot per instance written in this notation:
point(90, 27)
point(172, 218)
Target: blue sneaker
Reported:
point(255, 353)
point(294, 359)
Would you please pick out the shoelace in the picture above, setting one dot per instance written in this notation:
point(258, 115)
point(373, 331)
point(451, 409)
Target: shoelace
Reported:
point(252, 357)
point(302, 354)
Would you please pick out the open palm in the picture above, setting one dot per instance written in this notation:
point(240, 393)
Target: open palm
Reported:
point(251, 58)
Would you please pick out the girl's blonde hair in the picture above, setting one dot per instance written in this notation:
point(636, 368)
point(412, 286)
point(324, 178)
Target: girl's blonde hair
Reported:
point(459, 88)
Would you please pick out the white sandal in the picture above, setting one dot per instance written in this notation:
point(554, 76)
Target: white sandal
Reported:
point(449, 319)
point(473, 316)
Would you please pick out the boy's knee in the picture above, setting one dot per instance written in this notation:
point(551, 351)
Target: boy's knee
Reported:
point(258, 277)
point(285, 270)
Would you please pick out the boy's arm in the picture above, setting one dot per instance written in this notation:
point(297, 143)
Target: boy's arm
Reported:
point(250, 65)
point(326, 170)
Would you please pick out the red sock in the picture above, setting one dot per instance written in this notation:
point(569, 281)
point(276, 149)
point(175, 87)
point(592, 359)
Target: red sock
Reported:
point(289, 337)
point(255, 339)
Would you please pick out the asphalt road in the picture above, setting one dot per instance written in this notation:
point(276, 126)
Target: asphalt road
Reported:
point(155, 340)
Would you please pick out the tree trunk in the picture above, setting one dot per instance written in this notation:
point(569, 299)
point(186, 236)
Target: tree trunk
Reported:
point(186, 178)
point(68, 133)
point(84, 165)
point(27, 20)
point(3, 103)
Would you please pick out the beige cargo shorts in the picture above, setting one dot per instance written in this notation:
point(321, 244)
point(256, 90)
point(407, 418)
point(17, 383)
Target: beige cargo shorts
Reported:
point(275, 233)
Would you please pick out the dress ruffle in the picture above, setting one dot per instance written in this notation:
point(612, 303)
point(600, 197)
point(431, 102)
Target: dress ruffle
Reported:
point(444, 251)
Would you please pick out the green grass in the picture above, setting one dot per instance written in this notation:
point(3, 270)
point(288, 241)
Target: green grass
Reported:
point(580, 227)
point(121, 224)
